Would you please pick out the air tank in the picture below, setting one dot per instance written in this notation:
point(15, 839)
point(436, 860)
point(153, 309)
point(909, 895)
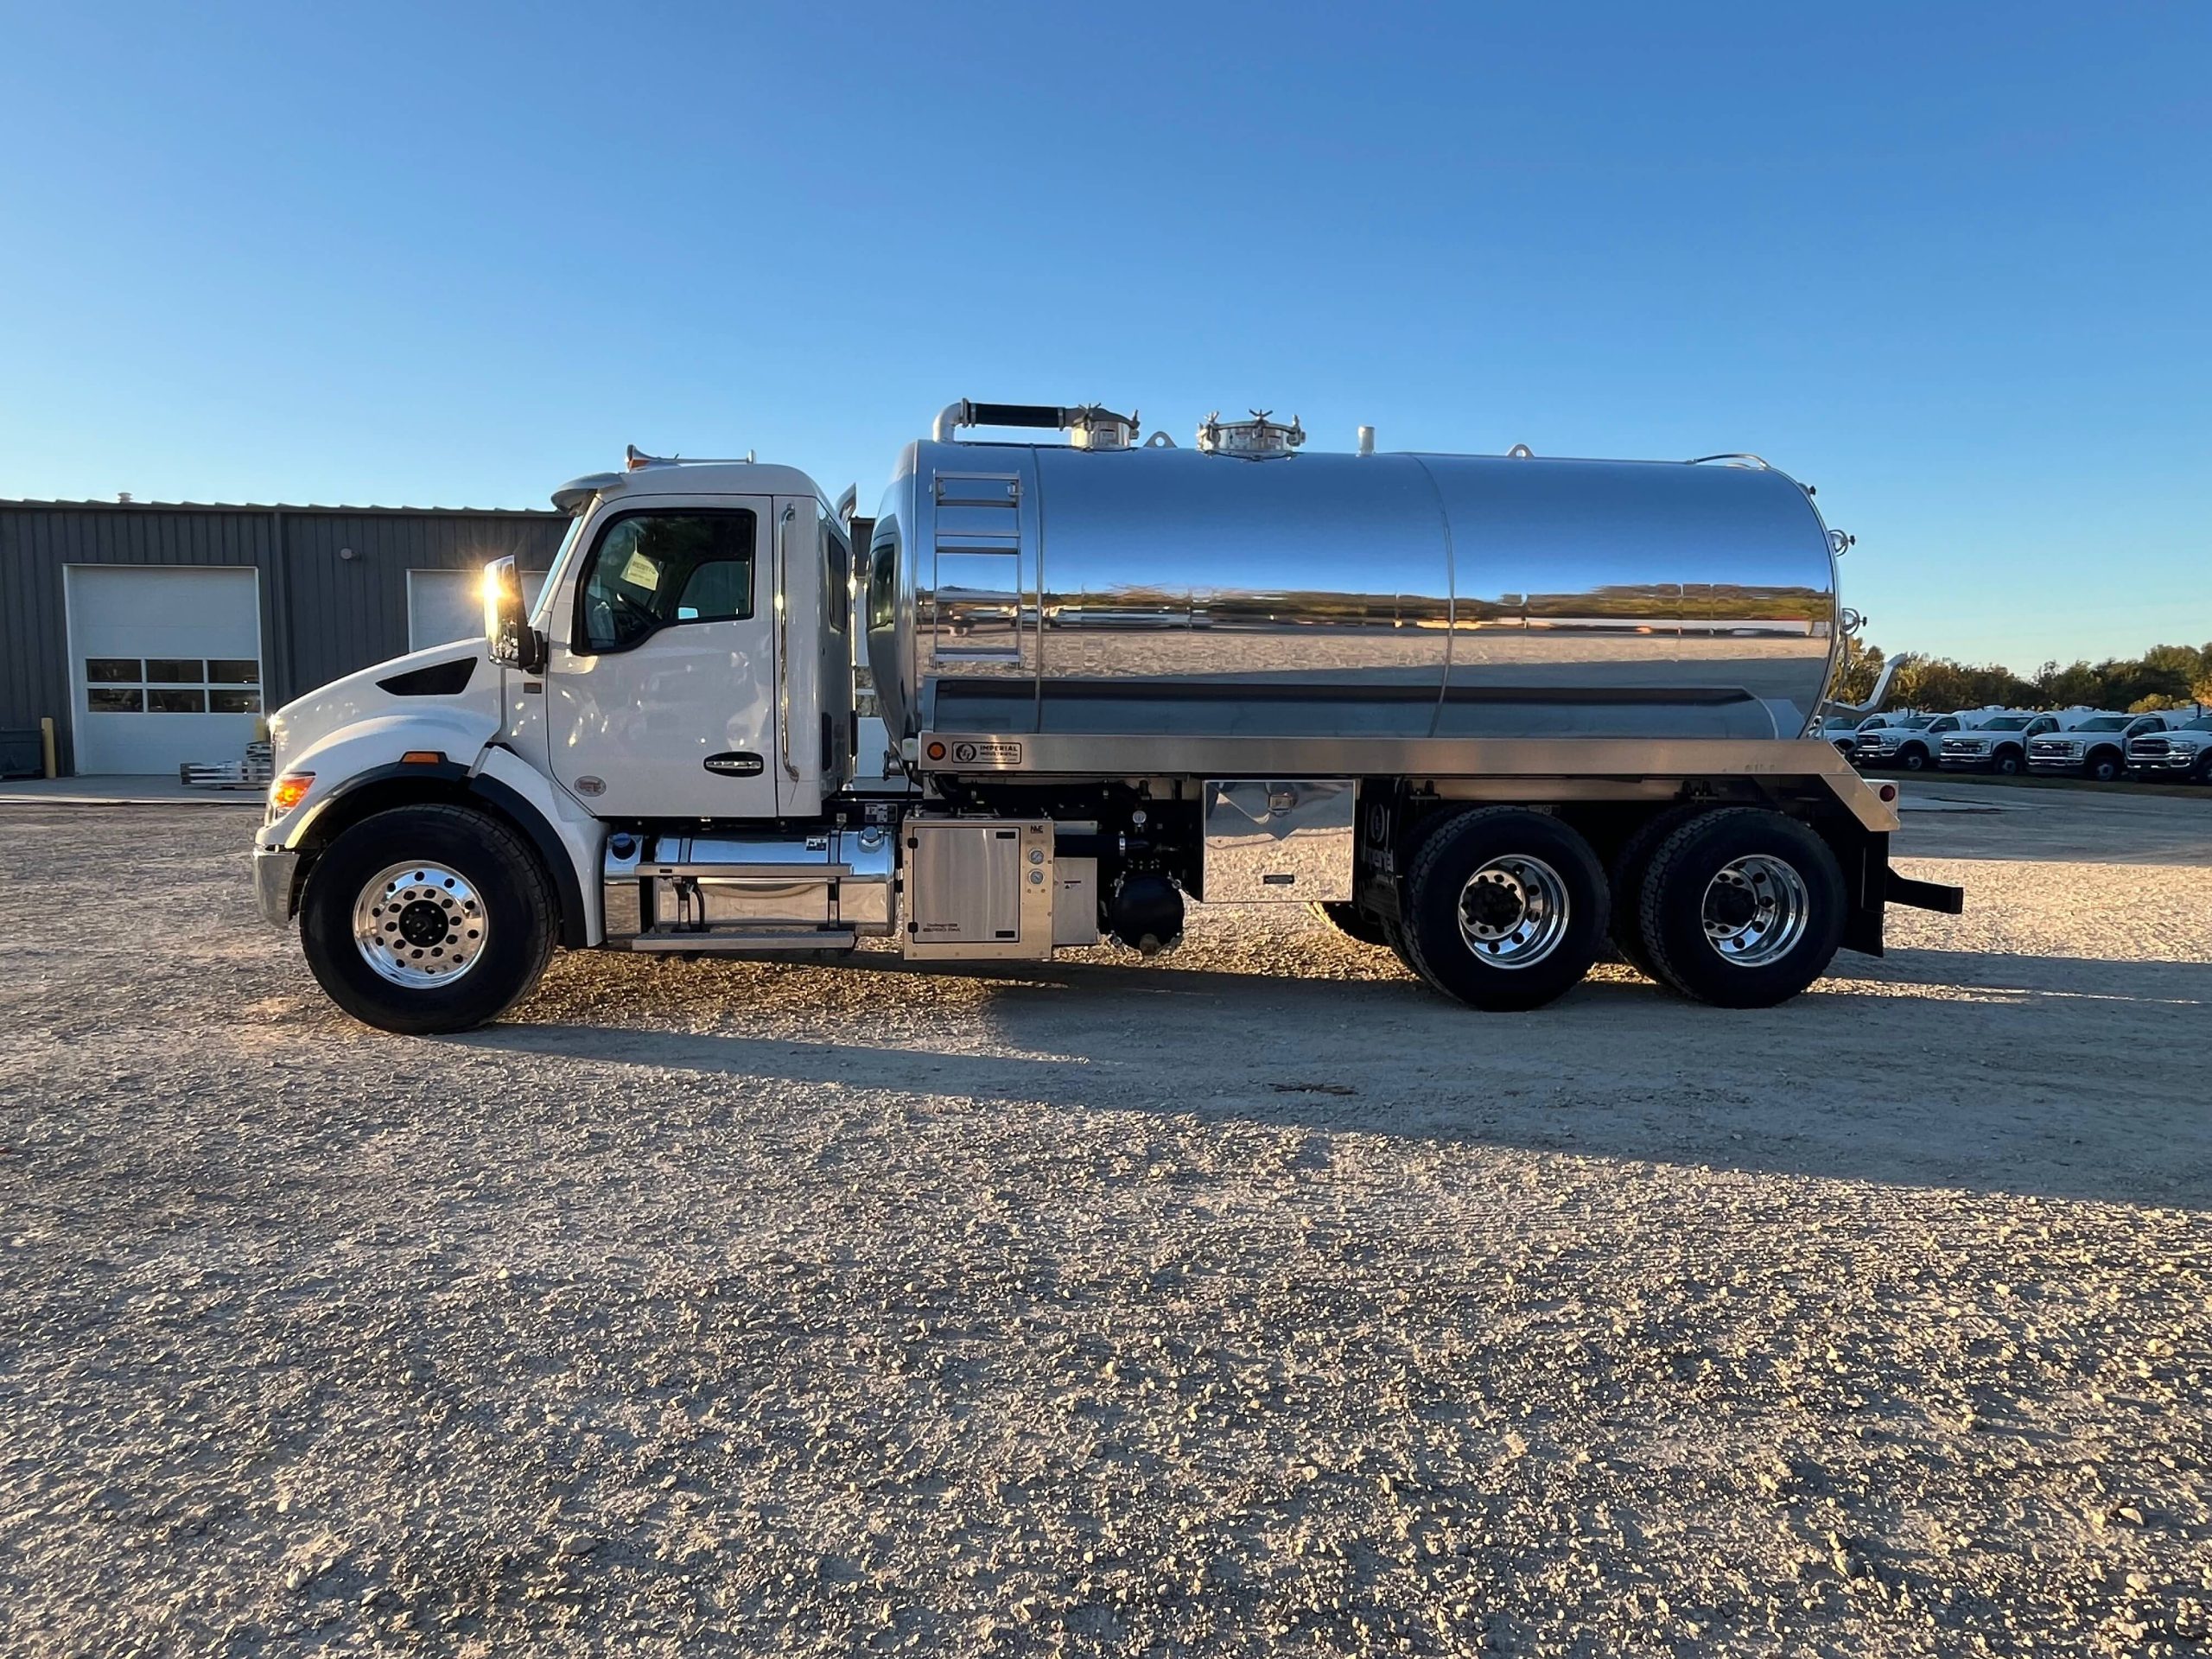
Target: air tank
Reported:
point(1028, 587)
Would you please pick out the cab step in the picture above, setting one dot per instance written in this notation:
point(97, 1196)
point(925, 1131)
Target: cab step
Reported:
point(741, 944)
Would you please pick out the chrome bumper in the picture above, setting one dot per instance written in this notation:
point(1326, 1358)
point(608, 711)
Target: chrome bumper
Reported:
point(2161, 762)
point(273, 869)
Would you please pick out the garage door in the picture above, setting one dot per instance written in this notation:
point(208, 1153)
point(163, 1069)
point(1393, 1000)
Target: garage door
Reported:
point(443, 605)
point(167, 662)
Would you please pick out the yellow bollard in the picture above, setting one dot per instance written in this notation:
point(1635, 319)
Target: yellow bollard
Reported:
point(46, 744)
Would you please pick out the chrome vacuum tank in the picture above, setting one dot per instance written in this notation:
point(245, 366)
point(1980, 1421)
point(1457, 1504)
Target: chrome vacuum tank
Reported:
point(1245, 589)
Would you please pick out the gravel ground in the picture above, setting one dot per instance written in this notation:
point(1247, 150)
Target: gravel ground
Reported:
point(1249, 1301)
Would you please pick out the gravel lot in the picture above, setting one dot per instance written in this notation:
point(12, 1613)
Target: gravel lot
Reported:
point(1251, 1301)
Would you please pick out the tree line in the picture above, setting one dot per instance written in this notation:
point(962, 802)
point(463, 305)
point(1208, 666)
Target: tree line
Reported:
point(2164, 676)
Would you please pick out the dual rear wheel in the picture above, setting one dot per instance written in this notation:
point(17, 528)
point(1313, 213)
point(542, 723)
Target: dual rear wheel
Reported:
point(1506, 908)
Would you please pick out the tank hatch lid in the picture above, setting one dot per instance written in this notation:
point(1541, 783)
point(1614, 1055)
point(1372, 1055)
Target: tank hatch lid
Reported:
point(1261, 438)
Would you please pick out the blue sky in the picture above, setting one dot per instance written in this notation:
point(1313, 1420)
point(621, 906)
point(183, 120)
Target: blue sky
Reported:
point(1947, 263)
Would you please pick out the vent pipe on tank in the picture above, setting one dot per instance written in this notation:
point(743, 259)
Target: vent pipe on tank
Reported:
point(1366, 440)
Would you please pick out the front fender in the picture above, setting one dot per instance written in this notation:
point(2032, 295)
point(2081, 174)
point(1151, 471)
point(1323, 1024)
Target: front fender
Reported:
point(341, 759)
point(362, 769)
point(581, 838)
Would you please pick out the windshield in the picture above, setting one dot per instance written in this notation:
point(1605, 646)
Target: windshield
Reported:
point(2009, 723)
point(1919, 723)
point(2202, 723)
point(2109, 724)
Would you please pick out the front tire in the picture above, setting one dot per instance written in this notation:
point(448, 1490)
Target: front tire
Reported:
point(2007, 763)
point(2107, 767)
point(1913, 759)
point(424, 919)
point(1506, 908)
point(1743, 908)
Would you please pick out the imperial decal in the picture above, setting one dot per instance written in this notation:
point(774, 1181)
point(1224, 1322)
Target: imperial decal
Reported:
point(736, 764)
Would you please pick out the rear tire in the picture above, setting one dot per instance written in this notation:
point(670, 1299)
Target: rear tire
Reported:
point(1743, 908)
point(1353, 922)
point(1506, 908)
point(382, 875)
point(1624, 883)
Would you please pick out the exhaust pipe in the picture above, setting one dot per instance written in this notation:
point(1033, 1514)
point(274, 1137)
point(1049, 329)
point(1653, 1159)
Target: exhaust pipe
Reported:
point(1831, 705)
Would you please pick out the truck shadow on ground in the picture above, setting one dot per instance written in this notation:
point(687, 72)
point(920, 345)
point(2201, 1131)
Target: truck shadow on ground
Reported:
point(1958, 1070)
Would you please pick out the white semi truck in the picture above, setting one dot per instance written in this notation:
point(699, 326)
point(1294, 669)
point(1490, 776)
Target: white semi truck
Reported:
point(1488, 711)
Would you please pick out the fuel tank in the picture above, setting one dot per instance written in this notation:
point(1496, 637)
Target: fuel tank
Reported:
point(1027, 587)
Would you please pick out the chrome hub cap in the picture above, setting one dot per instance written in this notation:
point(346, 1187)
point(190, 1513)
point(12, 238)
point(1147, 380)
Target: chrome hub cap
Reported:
point(419, 924)
point(1756, 910)
point(1513, 912)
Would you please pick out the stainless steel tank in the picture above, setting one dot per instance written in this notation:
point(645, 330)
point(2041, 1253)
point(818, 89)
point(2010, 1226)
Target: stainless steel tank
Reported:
point(1018, 588)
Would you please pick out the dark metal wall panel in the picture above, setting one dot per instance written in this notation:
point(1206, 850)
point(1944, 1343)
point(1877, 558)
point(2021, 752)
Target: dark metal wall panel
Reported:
point(321, 616)
point(349, 612)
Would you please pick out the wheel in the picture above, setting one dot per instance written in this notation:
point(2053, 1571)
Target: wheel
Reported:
point(427, 918)
point(1625, 883)
point(1353, 922)
point(1743, 907)
point(2007, 763)
point(1913, 759)
point(1506, 908)
point(2105, 767)
point(1394, 936)
point(2203, 772)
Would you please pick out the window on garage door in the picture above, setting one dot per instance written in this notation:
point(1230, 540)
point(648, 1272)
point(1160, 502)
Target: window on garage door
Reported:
point(171, 685)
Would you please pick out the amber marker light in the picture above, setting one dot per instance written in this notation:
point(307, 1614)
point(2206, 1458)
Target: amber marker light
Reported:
point(289, 791)
point(937, 751)
point(422, 758)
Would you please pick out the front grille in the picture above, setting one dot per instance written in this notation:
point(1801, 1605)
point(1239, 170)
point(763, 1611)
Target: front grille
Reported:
point(2149, 746)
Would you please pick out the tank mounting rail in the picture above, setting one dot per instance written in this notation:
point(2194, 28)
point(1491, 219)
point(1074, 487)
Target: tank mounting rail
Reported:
point(1089, 754)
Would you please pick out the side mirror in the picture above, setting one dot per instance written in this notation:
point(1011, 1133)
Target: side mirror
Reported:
point(506, 619)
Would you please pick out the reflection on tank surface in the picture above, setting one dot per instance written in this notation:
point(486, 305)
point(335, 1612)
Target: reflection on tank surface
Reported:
point(1406, 595)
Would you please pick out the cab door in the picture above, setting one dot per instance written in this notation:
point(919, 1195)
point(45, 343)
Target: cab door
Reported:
point(660, 690)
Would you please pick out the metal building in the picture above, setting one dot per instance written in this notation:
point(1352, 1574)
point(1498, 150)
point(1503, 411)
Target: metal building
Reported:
point(156, 633)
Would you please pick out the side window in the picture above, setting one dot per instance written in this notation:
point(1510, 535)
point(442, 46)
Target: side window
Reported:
point(883, 582)
point(837, 578)
point(653, 570)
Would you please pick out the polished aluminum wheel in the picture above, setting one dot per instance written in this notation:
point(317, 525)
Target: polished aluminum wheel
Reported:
point(420, 925)
point(1513, 912)
point(1757, 908)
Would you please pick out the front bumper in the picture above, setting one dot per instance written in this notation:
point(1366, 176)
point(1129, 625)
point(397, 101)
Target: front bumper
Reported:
point(2172, 760)
point(1966, 762)
point(275, 870)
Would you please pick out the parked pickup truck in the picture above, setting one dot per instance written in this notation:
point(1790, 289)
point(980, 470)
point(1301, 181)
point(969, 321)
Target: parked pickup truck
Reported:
point(1906, 741)
point(2183, 751)
point(1994, 742)
point(2094, 747)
